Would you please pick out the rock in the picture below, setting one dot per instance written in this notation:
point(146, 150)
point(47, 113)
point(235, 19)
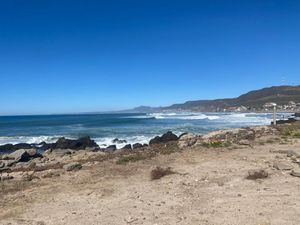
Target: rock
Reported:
point(20, 156)
point(187, 140)
point(127, 147)
point(2, 164)
point(244, 142)
point(60, 152)
point(282, 166)
point(257, 174)
point(136, 146)
point(118, 141)
point(9, 148)
point(289, 120)
point(72, 166)
point(110, 148)
point(169, 136)
point(291, 153)
point(296, 172)
point(79, 144)
point(50, 174)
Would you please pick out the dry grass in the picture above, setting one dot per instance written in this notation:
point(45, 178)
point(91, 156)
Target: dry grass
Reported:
point(257, 174)
point(159, 172)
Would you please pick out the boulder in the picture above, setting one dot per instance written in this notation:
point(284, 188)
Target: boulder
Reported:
point(20, 156)
point(136, 146)
point(118, 141)
point(169, 136)
point(296, 172)
point(9, 148)
point(72, 166)
point(127, 147)
point(282, 166)
point(60, 152)
point(79, 144)
point(187, 140)
point(110, 148)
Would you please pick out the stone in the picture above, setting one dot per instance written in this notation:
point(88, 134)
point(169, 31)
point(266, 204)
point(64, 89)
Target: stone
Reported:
point(291, 153)
point(296, 172)
point(79, 144)
point(127, 147)
point(169, 136)
point(136, 146)
point(20, 156)
point(257, 174)
point(110, 148)
point(282, 166)
point(187, 140)
point(60, 152)
point(72, 166)
point(119, 141)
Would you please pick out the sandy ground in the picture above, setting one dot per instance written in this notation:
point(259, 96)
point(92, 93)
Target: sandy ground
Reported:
point(209, 188)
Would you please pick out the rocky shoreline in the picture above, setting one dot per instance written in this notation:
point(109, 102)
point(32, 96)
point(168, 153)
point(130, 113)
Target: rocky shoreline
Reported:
point(237, 166)
point(28, 157)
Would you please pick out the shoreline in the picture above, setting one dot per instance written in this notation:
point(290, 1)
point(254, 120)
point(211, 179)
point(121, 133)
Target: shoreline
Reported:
point(225, 177)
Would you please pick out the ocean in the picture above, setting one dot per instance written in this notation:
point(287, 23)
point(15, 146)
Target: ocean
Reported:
point(136, 127)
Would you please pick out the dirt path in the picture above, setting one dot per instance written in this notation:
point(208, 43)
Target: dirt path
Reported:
point(209, 188)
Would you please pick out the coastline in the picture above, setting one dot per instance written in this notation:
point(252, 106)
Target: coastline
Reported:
point(208, 173)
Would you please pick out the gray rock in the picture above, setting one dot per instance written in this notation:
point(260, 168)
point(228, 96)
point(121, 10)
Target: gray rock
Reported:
point(136, 146)
point(296, 172)
point(169, 136)
point(187, 140)
point(20, 156)
point(2, 164)
point(127, 147)
point(119, 141)
point(111, 148)
point(291, 153)
point(72, 166)
point(282, 166)
point(61, 152)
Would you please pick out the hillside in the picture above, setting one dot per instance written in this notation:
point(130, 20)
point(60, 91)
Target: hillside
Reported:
point(253, 100)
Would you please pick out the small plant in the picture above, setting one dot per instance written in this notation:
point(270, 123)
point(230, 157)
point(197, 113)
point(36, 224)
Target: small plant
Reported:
point(216, 144)
point(130, 158)
point(159, 172)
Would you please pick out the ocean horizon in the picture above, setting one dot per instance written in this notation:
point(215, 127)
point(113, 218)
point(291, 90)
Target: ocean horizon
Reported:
point(132, 127)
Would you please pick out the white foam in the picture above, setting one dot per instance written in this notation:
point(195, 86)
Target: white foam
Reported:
point(184, 116)
point(28, 139)
point(107, 141)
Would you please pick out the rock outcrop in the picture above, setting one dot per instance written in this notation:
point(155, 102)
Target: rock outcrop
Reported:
point(79, 144)
point(169, 136)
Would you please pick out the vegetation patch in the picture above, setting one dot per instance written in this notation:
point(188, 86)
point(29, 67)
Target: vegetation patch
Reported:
point(216, 144)
point(131, 158)
point(160, 172)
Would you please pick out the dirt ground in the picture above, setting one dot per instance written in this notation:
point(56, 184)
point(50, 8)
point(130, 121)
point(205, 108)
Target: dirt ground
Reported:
point(209, 188)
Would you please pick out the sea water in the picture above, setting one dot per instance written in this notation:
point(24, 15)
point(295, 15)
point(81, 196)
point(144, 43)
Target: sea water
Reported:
point(134, 127)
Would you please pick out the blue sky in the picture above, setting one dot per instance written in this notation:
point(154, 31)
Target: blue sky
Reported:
point(60, 56)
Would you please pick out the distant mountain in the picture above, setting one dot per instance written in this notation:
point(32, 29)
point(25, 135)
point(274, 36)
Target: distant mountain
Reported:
point(253, 100)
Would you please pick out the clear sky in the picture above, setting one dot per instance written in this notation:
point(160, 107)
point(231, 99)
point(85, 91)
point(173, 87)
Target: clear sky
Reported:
point(59, 56)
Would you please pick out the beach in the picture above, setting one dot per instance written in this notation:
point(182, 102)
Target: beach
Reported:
point(236, 176)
